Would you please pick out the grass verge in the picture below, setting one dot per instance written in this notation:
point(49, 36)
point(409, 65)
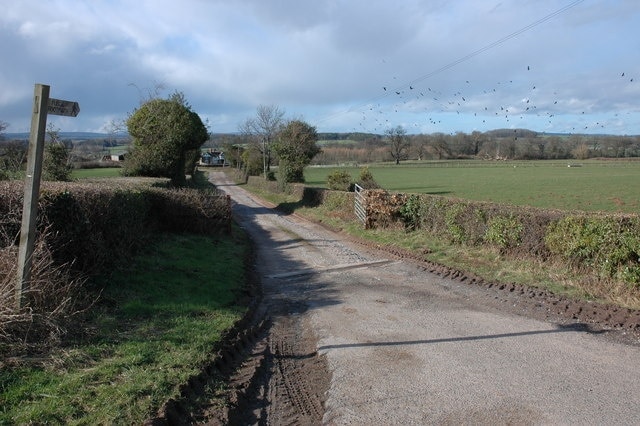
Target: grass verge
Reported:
point(483, 262)
point(157, 323)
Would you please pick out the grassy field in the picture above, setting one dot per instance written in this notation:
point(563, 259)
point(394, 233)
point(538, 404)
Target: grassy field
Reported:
point(336, 142)
point(592, 185)
point(96, 173)
point(156, 325)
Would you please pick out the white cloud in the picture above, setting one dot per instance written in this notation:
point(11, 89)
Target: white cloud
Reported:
point(321, 57)
point(101, 50)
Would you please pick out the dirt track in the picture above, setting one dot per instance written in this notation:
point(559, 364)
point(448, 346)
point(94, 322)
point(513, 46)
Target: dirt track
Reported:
point(360, 336)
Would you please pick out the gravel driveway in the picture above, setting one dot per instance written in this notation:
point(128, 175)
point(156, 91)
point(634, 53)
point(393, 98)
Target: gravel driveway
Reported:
point(393, 343)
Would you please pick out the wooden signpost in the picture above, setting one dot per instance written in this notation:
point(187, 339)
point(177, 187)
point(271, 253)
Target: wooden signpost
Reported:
point(42, 105)
point(60, 107)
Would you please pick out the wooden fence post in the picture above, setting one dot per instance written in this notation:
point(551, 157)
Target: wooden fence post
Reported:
point(31, 190)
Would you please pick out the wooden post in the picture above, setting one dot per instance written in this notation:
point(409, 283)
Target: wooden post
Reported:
point(31, 190)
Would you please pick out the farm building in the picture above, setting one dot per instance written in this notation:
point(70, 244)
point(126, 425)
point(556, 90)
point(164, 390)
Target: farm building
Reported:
point(212, 158)
point(113, 157)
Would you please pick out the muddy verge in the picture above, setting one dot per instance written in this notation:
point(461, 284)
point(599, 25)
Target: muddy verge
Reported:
point(272, 371)
point(620, 324)
point(284, 381)
point(274, 374)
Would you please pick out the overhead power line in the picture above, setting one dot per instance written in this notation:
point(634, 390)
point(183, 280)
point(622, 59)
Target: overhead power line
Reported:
point(459, 60)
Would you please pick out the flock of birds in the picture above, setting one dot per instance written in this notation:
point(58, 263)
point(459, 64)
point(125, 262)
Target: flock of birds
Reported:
point(506, 104)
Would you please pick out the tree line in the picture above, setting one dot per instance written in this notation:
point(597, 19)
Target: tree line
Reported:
point(167, 138)
point(505, 144)
point(396, 145)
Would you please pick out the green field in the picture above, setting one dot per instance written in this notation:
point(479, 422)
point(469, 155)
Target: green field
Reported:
point(96, 173)
point(612, 186)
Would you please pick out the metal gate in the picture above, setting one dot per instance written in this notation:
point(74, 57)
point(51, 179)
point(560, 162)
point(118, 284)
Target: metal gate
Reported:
point(360, 204)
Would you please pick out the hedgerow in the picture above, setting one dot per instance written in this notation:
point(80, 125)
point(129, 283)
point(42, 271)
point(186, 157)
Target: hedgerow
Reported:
point(607, 244)
point(83, 229)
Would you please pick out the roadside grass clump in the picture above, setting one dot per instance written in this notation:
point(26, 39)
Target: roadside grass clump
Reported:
point(505, 232)
point(608, 244)
point(54, 303)
point(159, 321)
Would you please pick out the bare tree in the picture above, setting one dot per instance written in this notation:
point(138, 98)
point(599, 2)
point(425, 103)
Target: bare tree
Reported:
point(115, 127)
point(263, 128)
point(477, 139)
point(439, 146)
point(151, 93)
point(419, 144)
point(399, 145)
point(581, 152)
point(13, 154)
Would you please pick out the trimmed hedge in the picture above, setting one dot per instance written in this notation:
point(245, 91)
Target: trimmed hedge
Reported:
point(609, 244)
point(91, 225)
point(83, 229)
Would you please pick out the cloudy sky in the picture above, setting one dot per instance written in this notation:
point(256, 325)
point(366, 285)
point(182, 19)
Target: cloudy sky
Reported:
point(342, 65)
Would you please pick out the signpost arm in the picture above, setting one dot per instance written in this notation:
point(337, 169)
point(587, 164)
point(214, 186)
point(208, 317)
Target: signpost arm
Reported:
point(31, 190)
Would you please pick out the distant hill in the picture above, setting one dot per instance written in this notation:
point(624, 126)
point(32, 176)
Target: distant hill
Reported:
point(67, 135)
point(324, 136)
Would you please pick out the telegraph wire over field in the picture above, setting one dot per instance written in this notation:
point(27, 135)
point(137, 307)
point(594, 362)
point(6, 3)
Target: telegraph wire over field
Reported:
point(555, 66)
point(388, 91)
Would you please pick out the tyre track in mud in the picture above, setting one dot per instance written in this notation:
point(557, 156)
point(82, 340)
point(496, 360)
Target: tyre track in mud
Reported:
point(283, 380)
